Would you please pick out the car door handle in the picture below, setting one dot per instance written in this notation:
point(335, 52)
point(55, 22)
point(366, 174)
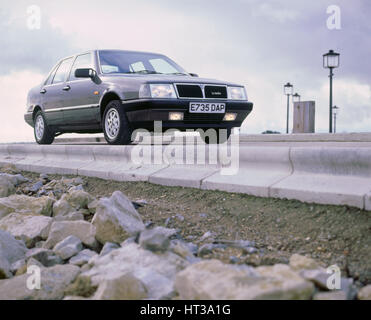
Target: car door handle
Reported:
point(66, 88)
point(43, 91)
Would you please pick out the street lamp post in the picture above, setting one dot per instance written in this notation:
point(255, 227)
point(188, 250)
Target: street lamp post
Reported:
point(331, 60)
point(296, 97)
point(288, 90)
point(335, 110)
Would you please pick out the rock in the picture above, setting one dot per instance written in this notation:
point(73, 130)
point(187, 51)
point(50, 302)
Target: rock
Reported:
point(124, 287)
point(44, 176)
point(36, 187)
point(29, 228)
point(26, 204)
point(83, 257)
point(206, 235)
point(348, 287)
point(234, 259)
point(245, 245)
point(155, 270)
point(17, 265)
point(365, 293)
point(156, 239)
point(82, 287)
point(72, 216)
point(60, 230)
point(75, 298)
point(33, 262)
point(285, 283)
point(6, 188)
point(332, 295)
point(78, 199)
point(299, 262)
point(46, 257)
point(208, 248)
point(211, 279)
point(68, 247)
point(54, 281)
point(14, 179)
point(182, 249)
point(92, 206)
point(62, 208)
point(108, 247)
point(11, 250)
point(318, 277)
point(116, 219)
point(179, 217)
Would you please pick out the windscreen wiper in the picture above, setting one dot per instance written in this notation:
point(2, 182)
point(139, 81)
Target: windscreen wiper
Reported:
point(145, 71)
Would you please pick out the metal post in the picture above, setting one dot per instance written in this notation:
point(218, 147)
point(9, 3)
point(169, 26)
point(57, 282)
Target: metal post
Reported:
point(287, 115)
point(331, 74)
point(335, 123)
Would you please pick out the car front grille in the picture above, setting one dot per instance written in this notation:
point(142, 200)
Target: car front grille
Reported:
point(195, 91)
point(189, 91)
point(205, 117)
point(216, 92)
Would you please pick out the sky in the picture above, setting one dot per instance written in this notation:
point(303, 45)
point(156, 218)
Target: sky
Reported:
point(260, 44)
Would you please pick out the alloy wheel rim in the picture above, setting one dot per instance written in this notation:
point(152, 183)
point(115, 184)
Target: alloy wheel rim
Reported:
point(39, 127)
point(112, 124)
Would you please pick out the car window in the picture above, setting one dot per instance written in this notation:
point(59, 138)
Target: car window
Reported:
point(51, 76)
point(114, 61)
point(81, 62)
point(162, 66)
point(64, 67)
point(137, 66)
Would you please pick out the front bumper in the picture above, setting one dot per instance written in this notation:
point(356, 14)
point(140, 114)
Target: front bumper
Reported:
point(143, 113)
point(28, 118)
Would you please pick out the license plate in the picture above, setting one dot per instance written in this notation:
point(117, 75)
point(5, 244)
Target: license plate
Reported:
point(206, 107)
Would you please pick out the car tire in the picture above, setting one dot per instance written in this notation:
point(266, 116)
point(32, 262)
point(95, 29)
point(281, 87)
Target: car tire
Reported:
point(43, 134)
point(219, 139)
point(116, 127)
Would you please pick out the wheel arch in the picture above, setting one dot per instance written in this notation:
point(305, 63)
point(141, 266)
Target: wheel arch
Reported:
point(36, 109)
point(107, 97)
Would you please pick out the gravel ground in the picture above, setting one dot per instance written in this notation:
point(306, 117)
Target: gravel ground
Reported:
point(331, 234)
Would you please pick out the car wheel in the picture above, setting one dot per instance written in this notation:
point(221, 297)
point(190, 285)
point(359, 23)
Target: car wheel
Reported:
point(43, 134)
point(219, 139)
point(116, 127)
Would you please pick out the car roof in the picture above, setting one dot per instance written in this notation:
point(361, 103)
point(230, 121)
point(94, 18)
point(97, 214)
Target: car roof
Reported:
point(129, 51)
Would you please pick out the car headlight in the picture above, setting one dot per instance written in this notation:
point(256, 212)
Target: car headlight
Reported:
point(237, 93)
point(157, 91)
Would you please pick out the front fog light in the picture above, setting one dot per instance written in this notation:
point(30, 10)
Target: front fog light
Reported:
point(176, 116)
point(230, 116)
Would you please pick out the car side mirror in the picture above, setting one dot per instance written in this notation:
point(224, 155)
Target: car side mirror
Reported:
point(85, 73)
point(193, 74)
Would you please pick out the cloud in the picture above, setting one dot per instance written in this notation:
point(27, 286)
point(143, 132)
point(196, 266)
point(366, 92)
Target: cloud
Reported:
point(14, 89)
point(275, 13)
point(25, 49)
point(260, 44)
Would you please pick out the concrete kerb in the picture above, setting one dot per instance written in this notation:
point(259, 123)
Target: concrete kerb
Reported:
point(368, 201)
point(180, 170)
point(259, 168)
point(4, 155)
point(24, 156)
point(54, 161)
point(106, 159)
point(328, 176)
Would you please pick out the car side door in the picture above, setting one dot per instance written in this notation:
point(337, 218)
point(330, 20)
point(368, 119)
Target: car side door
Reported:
point(81, 96)
point(52, 91)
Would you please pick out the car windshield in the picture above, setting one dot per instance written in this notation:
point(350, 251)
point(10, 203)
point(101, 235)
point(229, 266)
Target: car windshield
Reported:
point(137, 62)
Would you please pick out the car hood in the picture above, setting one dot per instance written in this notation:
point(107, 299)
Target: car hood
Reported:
point(163, 78)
